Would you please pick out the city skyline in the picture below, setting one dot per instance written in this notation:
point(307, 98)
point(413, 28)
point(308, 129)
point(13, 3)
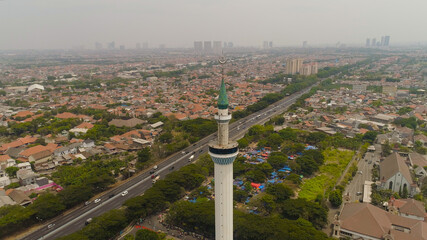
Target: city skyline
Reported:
point(54, 25)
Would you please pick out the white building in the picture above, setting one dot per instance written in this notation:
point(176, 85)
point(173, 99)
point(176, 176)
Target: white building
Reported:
point(395, 175)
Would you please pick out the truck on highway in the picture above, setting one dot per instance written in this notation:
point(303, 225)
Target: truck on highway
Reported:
point(156, 178)
point(191, 158)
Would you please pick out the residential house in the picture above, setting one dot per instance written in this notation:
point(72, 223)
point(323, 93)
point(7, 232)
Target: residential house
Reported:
point(127, 123)
point(82, 128)
point(18, 196)
point(26, 177)
point(4, 199)
point(70, 149)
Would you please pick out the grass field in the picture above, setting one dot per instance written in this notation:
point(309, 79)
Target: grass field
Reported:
point(335, 163)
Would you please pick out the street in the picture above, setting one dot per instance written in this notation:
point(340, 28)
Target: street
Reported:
point(364, 173)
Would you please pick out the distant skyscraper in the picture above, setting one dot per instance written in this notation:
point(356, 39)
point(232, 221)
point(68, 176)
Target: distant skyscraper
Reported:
point(368, 42)
point(230, 44)
point(111, 45)
point(138, 46)
point(217, 47)
point(374, 42)
point(98, 46)
point(304, 44)
point(198, 46)
point(207, 46)
point(382, 41)
point(265, 45)
point(270, 44)
point(162, 46)
point(145, 45)
point(122, 47)
point(386, 41)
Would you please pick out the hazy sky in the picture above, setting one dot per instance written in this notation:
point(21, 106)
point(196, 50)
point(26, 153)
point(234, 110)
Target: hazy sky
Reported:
point(177, 23)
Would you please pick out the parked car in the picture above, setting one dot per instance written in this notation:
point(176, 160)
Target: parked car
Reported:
point(87, 203)
point(111, 195)
point(124, 193)
point(50, 225)
point(97, 200)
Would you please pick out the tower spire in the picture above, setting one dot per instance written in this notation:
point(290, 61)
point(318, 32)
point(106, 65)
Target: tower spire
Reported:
point(222, 99)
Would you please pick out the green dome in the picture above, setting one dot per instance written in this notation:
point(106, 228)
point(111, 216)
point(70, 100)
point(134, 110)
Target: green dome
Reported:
point(222, 99)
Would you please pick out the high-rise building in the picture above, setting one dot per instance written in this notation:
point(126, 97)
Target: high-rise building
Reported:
point(230, 44)
point(111, 45)
point(265, 45)
point(382, 41)
point(198, 46)
point(386, 41)
point(374, 42)
point(207, 46)
point(368, 42)
point(145, 45)
point(138, 46)
point(294, 66)
point(98, 46)
point(217, 47)
point(122, 47)
point(223, 151)
point(314, 68)
point(270, 44)
point(162, 46)
point(304, 44)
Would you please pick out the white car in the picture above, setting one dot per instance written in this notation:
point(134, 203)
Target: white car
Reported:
point(50, 225)
point(124, 193)
point(97, 200)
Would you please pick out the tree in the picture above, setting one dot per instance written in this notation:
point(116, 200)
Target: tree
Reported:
point(11, 171)
point(370, 136)
point(47, 206)
point(386, 149)
point(145, 234)
point(274, 140)
point(280, 192)
point(277, 161)
point(315, 137)
point(307, 164)
point(144, 155)
point(316, 155)
point(404, 192)
point(73, 195)
point(243, 143)
point(335, 197)
point(166, 137)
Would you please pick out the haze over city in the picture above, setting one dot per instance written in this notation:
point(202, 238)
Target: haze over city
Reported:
point(53, 24)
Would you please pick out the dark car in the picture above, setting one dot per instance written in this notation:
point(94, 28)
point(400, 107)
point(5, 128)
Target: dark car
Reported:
point(172, 168)
point(152, 171)
point(111, 195)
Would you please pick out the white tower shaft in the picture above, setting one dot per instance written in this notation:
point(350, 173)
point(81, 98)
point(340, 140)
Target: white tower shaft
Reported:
point(224, 202)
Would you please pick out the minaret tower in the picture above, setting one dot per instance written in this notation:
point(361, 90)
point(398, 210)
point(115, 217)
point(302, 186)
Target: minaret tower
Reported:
point(223, 152)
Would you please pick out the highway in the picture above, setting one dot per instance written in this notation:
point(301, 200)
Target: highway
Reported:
point(137, 185)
